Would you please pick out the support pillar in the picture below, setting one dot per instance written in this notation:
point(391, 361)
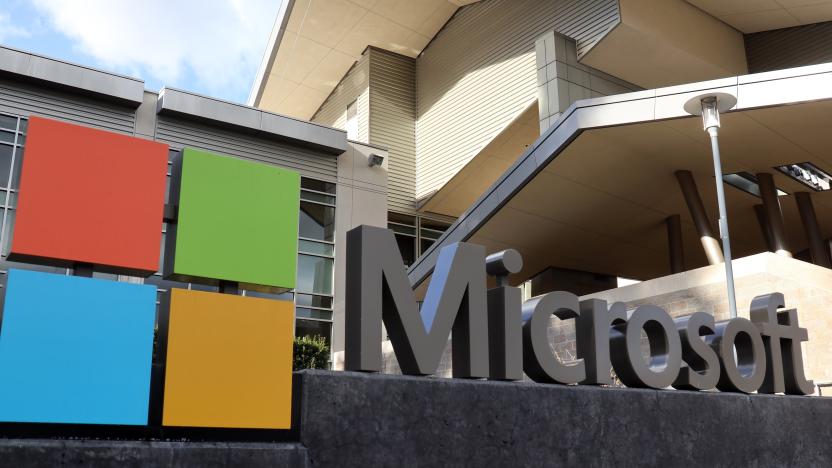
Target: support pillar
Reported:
point(700, 218)
point(817, 246)
point(765, 227)
point(771, 204)
point(674, 243)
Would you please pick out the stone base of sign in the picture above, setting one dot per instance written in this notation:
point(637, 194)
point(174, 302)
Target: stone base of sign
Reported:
point(352, 419)
point(119, 454)
point(345, 419)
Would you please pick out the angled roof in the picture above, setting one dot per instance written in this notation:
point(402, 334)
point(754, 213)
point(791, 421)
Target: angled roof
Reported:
point(764, 15)
point(315, 42)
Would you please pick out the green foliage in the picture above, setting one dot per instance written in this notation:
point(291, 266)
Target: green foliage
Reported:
point(311, 352)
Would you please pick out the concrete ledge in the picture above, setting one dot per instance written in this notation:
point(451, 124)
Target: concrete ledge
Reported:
point(352, 419)
point(84, 80)
point(248, 119)
point(24, 453)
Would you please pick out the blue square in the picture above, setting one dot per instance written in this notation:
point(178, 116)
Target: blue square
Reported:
point(75, 350)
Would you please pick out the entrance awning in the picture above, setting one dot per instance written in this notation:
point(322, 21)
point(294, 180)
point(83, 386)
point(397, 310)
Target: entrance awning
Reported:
point(593, 192)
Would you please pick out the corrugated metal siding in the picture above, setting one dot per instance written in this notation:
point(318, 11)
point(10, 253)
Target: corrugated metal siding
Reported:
point(310, 163)
point(788, 48)
point(24, 99)
point(479, 73)
point(393, 123)
point(353, 86)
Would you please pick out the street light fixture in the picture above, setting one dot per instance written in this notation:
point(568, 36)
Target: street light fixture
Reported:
point(709, 106)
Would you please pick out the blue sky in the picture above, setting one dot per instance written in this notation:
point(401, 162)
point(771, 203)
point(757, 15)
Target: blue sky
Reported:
point(212, 47)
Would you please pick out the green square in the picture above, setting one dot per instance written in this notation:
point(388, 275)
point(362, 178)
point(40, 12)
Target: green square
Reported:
point(237, 221)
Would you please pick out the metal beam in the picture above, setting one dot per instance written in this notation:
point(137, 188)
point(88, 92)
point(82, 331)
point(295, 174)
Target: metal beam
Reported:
point(674, 243)
point(765, 226)
point(817, 246)
point(700, 218)
point(771, 204)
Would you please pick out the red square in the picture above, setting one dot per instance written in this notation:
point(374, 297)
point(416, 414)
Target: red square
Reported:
point(90, 196)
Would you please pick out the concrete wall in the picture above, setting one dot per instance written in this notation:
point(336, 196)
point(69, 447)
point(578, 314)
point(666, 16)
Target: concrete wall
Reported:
point(562, 80)
point(361, 198)
point(479, 73)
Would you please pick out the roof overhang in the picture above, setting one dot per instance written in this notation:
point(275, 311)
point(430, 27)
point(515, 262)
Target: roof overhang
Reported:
point(593, 191)
point(667, 43)
point(315, 42)
point(764, 15)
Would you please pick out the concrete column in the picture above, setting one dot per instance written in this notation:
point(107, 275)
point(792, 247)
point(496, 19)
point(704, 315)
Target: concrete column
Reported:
point(771, 204)
point(765, 226)
point(361, 198)
point(700, 218)
point(562, 80)
point(674, 243)
point(817, 246)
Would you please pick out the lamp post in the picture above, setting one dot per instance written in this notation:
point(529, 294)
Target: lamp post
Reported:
point(709, 105)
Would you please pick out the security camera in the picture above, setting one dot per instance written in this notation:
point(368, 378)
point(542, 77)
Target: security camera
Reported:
point(376, 160)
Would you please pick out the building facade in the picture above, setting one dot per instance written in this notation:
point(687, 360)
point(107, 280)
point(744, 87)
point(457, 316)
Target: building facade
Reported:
point(480, 103)
point(335, 175)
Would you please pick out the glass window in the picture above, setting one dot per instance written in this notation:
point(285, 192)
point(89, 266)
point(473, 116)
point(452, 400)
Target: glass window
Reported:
point(283, 296)
point(314, 328)
point(317, 185)
point(351, 125)
point(316, 248)
point(7, 232)
point(407, 247)
point(318, 314)
point(314, 274)
point(317, 197)
point(317, 221)
point(311, 300)
point(5, 163)
point(8, 122)
point(7, 137)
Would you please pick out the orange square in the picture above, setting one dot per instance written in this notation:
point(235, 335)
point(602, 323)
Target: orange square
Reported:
point(90, 196)
point(229, 361)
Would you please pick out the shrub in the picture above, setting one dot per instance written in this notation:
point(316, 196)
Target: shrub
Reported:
point(311, 352)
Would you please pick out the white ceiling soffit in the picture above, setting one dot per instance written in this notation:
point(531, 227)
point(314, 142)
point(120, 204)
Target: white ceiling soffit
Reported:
point(666, 43)
point(750, 16)
point(315, 42)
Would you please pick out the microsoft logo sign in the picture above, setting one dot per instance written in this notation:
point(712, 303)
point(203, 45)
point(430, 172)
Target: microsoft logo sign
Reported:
point(79, 349)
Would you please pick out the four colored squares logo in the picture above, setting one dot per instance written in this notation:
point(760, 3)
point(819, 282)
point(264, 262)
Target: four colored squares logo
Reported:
point(79, 350)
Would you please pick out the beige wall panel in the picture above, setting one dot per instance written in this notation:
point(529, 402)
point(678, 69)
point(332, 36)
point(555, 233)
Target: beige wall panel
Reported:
point(479, 73)
point(668, 43)
point(353, 87)
point(393, 123)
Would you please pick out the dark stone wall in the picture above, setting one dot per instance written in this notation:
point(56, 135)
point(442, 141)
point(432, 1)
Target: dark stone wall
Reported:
point(346, 419)
point(20, 453)
point(352, 419)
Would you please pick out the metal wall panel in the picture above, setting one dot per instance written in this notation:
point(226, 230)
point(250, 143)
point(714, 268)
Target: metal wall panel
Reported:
point(789, 47)
point(26, 99)
point(479, 73)
point(310, 163)
point(354, 86)
point(393, 123)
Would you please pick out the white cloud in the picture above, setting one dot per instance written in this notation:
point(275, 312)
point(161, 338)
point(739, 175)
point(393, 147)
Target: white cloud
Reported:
point(9, 30)
point(216, 43)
